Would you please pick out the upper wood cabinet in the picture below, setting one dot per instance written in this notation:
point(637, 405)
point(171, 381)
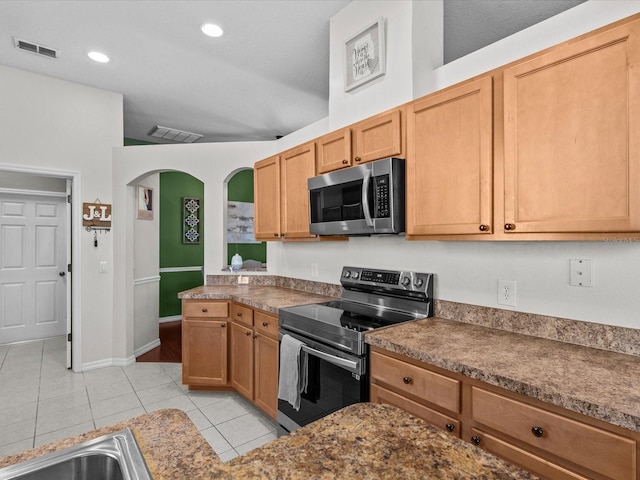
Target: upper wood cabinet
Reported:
point(377, 137)
point(450, 161)
point(266, 186)
point(296, 167)
point(334, 151)
point(281, 194)
point(571, 142)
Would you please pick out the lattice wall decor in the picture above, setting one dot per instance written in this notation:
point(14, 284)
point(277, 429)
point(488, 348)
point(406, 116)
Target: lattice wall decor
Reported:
point(191, 220)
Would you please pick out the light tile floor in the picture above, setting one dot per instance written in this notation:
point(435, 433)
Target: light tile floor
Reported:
point(41, 401)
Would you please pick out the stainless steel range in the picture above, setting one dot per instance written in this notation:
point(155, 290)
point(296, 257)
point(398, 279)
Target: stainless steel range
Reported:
point(333, 336)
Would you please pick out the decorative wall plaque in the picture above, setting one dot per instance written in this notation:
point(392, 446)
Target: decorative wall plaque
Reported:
point(191, 220)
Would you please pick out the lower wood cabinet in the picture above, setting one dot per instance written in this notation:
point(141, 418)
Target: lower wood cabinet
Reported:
point(254, 357)
point(204, 343)
point(552, 442)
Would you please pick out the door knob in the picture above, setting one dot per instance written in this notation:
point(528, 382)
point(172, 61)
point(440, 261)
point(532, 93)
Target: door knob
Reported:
point(62, 274)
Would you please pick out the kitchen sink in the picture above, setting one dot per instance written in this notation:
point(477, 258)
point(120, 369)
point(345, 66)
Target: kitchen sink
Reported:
point(111, 457)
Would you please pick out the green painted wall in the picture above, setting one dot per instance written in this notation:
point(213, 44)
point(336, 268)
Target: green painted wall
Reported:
point(240, 189)
point(173, 253)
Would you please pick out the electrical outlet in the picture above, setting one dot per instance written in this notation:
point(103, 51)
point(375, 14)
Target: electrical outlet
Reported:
point(243, 279)
point(314, 270)
point(581, 271)
point(507, 292)
point(103, 267)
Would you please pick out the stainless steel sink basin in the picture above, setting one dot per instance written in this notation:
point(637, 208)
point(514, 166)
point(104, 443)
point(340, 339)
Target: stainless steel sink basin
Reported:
point(112, 457)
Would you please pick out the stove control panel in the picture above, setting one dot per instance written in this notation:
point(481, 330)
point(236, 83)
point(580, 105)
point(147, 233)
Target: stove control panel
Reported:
point(389, 279)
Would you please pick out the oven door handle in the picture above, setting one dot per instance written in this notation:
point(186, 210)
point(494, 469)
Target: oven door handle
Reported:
point(342, 362)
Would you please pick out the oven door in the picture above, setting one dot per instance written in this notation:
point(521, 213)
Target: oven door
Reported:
point(335, 380)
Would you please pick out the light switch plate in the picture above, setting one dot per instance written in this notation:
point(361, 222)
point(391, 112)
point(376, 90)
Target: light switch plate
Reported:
point(581, 273)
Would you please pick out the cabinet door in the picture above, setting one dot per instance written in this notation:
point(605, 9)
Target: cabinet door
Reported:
point(450, 161)
point(572, 149)
point(204, 352)
point(378, 137)
point(296, 167)
point(242, 359)
point(334, 151)
point(266, 186)
point(266, 381)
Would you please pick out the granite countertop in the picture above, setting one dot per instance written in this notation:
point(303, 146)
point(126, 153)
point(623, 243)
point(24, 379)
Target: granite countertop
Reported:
point(363, 441)
point(369, 441)
point(172, 446)
point(264, 297)
point(593, 382)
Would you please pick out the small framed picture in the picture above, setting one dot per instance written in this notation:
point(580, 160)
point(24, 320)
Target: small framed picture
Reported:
point(364, 56)
point(145, 203)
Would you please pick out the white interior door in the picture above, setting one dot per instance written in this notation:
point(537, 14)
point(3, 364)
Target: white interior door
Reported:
point(69, 218)
point(33, 265)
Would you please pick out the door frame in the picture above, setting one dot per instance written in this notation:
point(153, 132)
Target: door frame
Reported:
point(73, 241)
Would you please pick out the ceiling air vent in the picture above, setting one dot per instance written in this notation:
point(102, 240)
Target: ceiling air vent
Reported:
point(174, 135)
point(36, 48)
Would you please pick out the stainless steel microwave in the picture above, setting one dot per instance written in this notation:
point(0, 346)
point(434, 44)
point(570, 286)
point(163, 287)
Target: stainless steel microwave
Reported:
point(367, 199)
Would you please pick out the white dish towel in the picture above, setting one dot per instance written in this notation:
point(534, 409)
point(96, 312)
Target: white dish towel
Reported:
point(292, 380)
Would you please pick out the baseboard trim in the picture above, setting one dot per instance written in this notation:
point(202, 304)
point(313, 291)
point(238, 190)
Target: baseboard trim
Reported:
point(108, 362)
point(145, 348)
point(172, 318)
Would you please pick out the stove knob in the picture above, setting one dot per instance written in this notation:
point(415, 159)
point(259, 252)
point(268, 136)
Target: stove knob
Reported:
point(406, 281)
point(354, 275)
point(419, 282)
point(346, 274)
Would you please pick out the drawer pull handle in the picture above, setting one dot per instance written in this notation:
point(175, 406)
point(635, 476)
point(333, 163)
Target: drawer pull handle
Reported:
point(476, 440)
point(537, 431)
point(265, 324)
point(407, 380)
point(450, 427)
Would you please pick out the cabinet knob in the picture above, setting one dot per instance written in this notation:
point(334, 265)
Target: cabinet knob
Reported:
point(450, 427)
point(275, 234)
point(265, 324)
point(255, 336)
point(509, 226)
point(223, 325)
point(407, 380)
point(475, 440)
point(239, 314)
point(282, 235)
point(484, 228)
point(357, 159)
point(537, 431)
point(205, 310)
point(247, 333)
point(345, 161)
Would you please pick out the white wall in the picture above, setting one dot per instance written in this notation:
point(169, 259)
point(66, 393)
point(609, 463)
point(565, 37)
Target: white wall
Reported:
point(211, 163)
point(468, 272)
point(146, 251)
point(47, 124)
point(25, 181)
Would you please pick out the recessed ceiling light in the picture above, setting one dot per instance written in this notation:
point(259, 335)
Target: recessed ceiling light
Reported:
point(211, 30)
point(98, 57)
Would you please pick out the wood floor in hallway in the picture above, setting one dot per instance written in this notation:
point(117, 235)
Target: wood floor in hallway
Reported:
point(170, 349)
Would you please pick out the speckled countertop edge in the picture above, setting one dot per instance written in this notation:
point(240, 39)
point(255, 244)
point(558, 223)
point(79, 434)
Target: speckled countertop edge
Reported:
point(263, 297)
point(593, 382)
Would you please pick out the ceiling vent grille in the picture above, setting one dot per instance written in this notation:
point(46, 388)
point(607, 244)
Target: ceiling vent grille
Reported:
point(36, 48)
point(174, 135)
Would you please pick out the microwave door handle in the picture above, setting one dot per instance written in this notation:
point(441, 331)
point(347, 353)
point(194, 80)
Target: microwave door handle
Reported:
point(365, 198)
point(342, 362)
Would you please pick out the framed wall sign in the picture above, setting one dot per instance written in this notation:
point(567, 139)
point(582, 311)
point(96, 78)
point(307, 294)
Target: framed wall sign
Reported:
point(364, 56)
point(145, 203)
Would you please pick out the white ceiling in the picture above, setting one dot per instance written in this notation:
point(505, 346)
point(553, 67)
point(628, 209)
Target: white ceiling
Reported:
point(267, 76)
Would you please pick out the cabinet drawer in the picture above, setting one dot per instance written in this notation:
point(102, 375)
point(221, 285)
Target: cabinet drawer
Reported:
point(242, 314)
point(443, 422)
point(205, 309)
point(598, 450)
point(520, 457)
point(267, 324)
point(417, 381)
